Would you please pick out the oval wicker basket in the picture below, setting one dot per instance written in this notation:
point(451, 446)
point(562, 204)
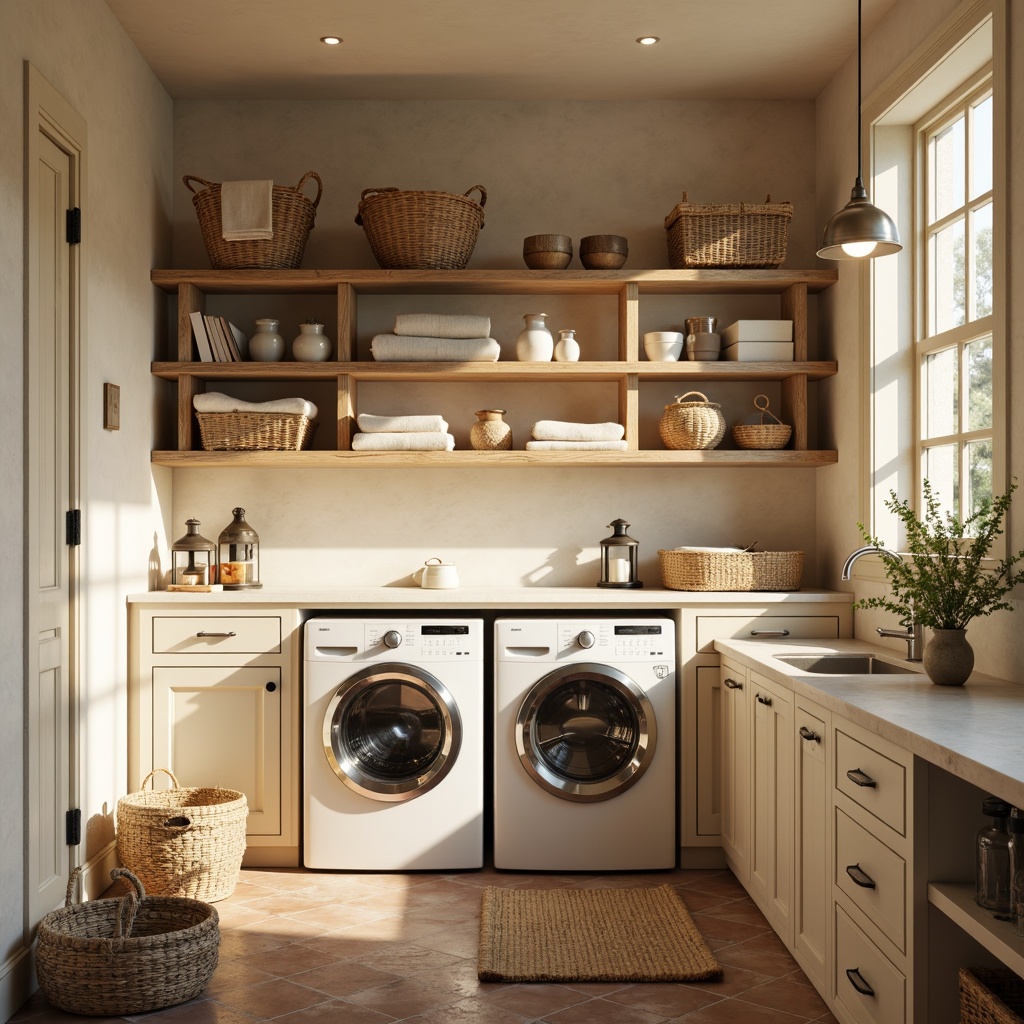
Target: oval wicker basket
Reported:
point(731, 570)
point(762, 435)
point(135, 954)
point(692, 425)
point(421, 230)
point(185, 841)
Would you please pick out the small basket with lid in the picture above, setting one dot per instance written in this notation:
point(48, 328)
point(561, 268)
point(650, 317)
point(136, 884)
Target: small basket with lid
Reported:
point(689, 425)
point(774, 434)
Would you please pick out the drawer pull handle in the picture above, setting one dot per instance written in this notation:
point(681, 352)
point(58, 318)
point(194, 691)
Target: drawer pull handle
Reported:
point(271, 687)
point(203, 633)
point(766, 701)
point(859, 778)
point(732, 684)
point(860, 876)
point(769, 632)
point(809, 734)
point(858, 982)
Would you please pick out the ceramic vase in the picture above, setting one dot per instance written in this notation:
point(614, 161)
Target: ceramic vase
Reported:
point(266, 345)
point(312, 345)
point(948, 657)
point(490, 433)
point(535, 343)
point(568, 348)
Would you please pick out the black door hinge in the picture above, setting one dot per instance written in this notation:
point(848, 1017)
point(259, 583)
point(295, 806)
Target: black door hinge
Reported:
point(73, 226)
point(73, 527)
point(73, 827)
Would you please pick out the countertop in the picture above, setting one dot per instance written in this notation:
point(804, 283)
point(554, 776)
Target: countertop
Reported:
point(973, 731)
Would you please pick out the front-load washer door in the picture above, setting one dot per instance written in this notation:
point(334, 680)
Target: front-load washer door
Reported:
point(586, 732)
point(392, 732)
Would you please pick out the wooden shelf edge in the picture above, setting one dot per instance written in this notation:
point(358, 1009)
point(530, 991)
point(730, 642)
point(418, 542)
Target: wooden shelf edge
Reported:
point(956, 901)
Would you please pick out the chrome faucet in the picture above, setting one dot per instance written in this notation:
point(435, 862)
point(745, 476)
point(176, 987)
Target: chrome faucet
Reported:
point(913, 634)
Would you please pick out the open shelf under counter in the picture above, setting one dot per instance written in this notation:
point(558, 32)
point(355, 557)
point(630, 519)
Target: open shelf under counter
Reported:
point(1000, 938)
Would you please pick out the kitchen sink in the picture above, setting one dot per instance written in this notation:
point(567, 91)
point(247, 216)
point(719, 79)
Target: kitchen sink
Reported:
point(842, 664)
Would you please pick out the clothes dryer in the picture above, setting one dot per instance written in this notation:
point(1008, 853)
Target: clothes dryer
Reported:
point(393, 746)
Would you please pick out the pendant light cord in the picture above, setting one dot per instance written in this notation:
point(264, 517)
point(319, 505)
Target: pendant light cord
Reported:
point(860, 139)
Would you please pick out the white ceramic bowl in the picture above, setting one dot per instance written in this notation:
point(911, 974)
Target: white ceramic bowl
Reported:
point(663, 346)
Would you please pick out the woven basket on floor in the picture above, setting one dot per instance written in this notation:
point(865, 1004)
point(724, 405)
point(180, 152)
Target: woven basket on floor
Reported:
point(293, 216)
point(185, 841)
point(715, 235)
point(691, 425)
point(255, 431)
point(421, 230)
point(135, 954)
point(731, 570)
point(762, 435)
point(991, 996)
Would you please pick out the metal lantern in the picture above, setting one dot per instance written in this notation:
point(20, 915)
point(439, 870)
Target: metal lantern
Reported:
point(193, 558)
point(619, 558)
point(239, 554)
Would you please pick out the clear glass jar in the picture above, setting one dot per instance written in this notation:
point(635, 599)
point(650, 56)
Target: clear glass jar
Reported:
point(1015, 826)
point(993, 872)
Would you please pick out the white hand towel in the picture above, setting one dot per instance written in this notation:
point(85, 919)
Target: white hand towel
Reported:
point(390, 348)
point(442, 325)
point(411, 441)
point(247, 210)
point(371, 424)
point(556, 430)
point(576, 446)
point(215, 401)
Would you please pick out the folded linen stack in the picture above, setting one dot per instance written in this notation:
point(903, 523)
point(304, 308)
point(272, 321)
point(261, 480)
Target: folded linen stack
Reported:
point(556, 435)
point(402, 434)
point(215, 401)
point(437, 338)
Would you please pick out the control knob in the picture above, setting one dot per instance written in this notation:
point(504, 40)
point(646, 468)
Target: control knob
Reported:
point(585, 639)
point(392, 638)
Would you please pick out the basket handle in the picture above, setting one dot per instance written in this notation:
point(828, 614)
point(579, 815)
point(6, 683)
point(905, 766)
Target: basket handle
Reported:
point(136, 882)
point(189, 178)
point(166, 771)
point(127, 908)
point(762, 409)
point(373, 192)
point(319, 185)
point(179, 821)
point(69, 893)
point(682, 398)
point(481, 190)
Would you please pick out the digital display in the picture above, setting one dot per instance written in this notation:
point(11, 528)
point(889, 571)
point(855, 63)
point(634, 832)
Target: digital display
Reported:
point(444, 630)
point(637, 630)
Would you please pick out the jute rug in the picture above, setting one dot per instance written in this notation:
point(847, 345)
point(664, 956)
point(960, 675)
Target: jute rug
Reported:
point(591, 935)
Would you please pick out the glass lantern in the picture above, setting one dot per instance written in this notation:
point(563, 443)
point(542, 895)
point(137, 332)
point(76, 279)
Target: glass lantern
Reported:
point(619, 558)
point(239, 554)
point(193, 558)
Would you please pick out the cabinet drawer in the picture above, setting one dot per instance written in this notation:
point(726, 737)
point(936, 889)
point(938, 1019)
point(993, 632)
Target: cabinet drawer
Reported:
point(747, 627)
point(871, 779)
point(204, 634)
point(862, 861)
point(868, 986)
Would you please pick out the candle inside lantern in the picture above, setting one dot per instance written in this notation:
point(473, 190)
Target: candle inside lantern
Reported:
point(618, 570)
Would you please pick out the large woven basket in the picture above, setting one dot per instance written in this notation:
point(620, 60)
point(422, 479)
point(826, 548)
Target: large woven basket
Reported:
point(185, 841)
point(713, 235)
point(114, 957)
point(774, 434)
point(691, 425)
point(255, 431)
point(991, 996)
point(293, 216)
point(731, 570)
point(421, 230)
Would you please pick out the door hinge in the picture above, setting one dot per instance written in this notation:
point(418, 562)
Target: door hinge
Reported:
point(73, 827)
point(73, 226)
point(73, 527)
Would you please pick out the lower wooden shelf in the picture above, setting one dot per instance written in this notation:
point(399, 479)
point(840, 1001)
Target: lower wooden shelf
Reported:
point(1000, 938)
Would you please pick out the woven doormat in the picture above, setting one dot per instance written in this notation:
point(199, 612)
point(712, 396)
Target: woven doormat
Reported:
point(591, 935)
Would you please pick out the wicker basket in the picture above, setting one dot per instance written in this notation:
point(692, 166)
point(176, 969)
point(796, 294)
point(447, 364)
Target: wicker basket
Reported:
point(691, 425)
point(991, 996)
point(421, 230)
point(114, 957)
point(762, 435)
point(255, 431)
point(293, 216)
point(185, 841)
point(708, 236)
point(731, 570)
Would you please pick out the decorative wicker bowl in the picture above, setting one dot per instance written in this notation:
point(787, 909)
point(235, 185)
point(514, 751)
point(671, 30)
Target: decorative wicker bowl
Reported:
point(762, 435)
point(731, 570)
point(692, 425)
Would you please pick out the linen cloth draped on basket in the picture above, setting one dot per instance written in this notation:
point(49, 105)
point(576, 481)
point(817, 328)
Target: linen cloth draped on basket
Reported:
point(247, 210)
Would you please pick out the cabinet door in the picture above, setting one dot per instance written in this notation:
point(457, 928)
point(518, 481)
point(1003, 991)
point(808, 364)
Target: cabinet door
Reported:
point(221, 726)
point(709, 750)
point(736, 770)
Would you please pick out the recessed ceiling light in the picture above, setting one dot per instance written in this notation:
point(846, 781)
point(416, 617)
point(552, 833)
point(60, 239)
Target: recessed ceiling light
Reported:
point(648, 40)
point(330, 40)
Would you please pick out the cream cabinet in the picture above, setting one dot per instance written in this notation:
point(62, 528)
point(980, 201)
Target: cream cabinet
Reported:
point(214, 698)
point(735, 768)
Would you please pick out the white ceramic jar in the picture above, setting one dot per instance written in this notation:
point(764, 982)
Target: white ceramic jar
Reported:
point(266, 345)
point(568, 348)
point(312, 345)
point(535, 343)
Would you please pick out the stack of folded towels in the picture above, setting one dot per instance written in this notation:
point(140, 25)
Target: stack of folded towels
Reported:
point(554, 435)
point(215, 401)
point(402, 434)
point(437, 338)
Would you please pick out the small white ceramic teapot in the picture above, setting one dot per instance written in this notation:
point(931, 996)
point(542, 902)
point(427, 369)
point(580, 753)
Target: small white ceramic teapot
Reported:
point(437, 575)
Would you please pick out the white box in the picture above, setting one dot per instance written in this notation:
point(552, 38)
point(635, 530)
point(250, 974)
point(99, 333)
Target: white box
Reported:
point(758, 330)
point(759, 351)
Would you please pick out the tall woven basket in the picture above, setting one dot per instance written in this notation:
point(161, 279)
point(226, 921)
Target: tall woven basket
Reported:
point(114, 957)
point(185, 841)
point(692, 425)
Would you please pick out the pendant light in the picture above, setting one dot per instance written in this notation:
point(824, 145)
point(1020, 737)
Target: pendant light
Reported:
point(859, 230)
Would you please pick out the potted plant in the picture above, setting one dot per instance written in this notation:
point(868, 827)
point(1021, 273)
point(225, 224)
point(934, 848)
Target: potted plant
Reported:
point(943, 583)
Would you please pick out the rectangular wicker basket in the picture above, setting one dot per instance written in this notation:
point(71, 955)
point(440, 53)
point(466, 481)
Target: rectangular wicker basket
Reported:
point(731, 570)
point(991, 996)
point(255, 431)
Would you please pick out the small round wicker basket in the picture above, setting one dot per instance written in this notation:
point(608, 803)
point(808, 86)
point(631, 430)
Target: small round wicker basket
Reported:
point(692, 425)
point(762, 435)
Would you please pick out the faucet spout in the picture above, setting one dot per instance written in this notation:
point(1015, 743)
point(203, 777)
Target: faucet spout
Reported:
point(869, 550)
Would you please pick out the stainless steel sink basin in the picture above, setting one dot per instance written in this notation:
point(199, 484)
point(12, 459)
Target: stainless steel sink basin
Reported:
point(842, 664)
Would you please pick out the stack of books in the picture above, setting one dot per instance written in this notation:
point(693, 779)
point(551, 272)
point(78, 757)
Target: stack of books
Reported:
point(217, 339)
point(752, 341)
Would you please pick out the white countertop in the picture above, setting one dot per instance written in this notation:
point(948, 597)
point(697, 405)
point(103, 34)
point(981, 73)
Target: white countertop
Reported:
point(974, 731)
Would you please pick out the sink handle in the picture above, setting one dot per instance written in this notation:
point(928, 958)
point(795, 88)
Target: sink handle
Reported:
point(732, 684)
point(860, 876)
point(859, 778)
point(858, 982)
point(769, 632)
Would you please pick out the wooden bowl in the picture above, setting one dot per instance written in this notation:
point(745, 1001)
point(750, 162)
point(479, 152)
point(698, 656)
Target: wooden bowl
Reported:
point(547, 243)
point(547, 260)
point(602, 260)
point(604, 243)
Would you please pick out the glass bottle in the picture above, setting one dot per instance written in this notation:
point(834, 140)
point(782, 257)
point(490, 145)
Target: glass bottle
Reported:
point(1015, 826)
point(993, 872)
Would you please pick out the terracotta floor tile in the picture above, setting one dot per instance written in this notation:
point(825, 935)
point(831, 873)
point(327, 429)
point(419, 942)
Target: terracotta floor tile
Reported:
point(714, 926)
point(272, 998)
point(343, 978)
point(601, 1011)
point(406, 960)
point(335, 1011)
point(205, 1011)
point(785, 995)
point(667, 999)
point(531, 1001)
point(284, 961)
point(404, 998)
point(760, 961)
point(466, 1011)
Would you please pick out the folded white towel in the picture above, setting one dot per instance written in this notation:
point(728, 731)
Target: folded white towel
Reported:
point(415, 349)
point(442, 325)
point(247, 210)
point(556, 430)
point(410, 441)
point(575, 446)
point(214, 401)
point(371, 424)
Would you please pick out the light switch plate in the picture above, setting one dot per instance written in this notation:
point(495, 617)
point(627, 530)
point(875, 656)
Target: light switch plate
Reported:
point(111, 407)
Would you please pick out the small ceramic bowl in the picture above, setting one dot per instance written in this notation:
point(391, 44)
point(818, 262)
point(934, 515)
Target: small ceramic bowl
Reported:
point(663, 346)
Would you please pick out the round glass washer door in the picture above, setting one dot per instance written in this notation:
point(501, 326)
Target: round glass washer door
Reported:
point(392, 732)
point(586, 732)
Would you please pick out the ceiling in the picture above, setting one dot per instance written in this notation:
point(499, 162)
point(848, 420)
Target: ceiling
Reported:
point(495, 49)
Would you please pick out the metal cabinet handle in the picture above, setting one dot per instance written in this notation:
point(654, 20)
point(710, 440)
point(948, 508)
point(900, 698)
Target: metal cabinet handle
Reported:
point(859, 778)
point(860, 876)
point(767, 701)
point(271, 687)
point(732, 684)
point(858, 982)
point(809, 734)
point(203, 633)
point(769, 632)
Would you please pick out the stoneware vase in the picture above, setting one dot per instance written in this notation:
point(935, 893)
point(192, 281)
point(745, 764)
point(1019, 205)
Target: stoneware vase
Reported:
point(568, 348)
point(948, 658)
point(490, 433)
point(535, 343)
point(266, 345)
point(312, 345)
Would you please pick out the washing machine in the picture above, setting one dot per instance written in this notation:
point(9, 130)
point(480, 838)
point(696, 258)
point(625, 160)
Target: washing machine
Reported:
point(393, 744)
point(584, 744)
